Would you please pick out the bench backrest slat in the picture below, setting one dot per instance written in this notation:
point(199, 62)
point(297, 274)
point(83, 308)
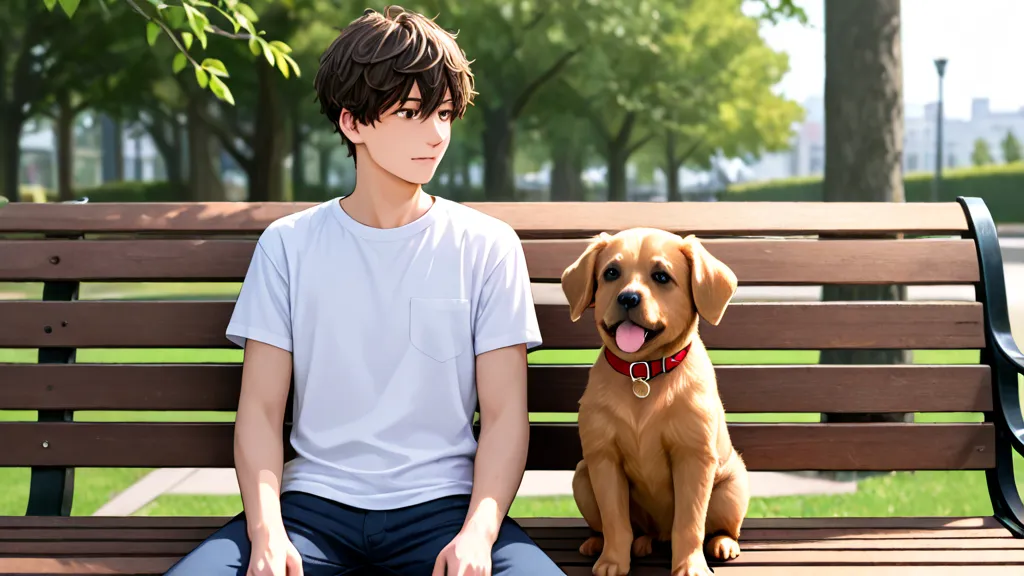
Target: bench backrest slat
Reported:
point(764, 446)
point(756, 326)
point(755, 261)
point(531, 220)
point(744, 389)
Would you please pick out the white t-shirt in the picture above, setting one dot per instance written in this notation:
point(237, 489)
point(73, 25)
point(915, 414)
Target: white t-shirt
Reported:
point(384, 326)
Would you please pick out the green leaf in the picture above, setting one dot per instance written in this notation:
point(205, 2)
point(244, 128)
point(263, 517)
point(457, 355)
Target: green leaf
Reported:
point(247, 11)
point(202, 77)
point(152, 31)
point(70, 6)
point(220, 90)
point(281, 46)
point(50, 4)
point(215, 67)
point(267, 51)
point(295, 66)
point(179, 62)
point(3, 201)
point(187, 37)
point(198, 22)
point(282, 65)
point(254, 46)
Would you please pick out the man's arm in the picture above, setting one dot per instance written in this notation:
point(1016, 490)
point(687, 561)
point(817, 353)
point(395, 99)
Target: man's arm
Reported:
point(259, 438)
point(504, 438)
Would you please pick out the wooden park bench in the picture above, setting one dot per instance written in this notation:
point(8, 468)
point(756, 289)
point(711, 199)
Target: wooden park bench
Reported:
point(765, 244)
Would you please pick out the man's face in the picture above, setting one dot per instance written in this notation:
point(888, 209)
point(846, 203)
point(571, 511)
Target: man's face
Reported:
point(404, 142)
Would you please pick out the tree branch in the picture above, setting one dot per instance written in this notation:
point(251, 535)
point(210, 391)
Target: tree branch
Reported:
point(532, 87)
point(639, 143)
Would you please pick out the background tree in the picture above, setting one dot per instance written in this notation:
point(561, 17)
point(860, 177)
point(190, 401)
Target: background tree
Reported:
point(863, 142)
point(981, 155)
point(1011, 148)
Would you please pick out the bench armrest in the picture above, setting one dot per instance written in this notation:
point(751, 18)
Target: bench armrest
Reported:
point(1009, 400)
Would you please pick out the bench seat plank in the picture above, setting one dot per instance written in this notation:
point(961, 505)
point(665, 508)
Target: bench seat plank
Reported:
point(142, 545)
point(755, 262)
point(752, 326)
point(744, 389)
point(553, 446)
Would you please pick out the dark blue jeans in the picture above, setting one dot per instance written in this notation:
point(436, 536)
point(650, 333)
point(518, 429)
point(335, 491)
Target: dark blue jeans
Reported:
point(335, 539)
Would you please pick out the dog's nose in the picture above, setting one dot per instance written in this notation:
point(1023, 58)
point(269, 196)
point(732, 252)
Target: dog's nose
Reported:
point(629, 299)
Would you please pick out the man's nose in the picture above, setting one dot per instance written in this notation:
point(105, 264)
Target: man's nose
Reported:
point(629, 299)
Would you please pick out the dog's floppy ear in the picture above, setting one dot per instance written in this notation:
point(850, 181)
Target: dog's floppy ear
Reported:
point(578, 278)
point(713, 283)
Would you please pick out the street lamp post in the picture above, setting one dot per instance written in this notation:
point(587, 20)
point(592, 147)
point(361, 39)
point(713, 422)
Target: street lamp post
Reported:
point(940, 67)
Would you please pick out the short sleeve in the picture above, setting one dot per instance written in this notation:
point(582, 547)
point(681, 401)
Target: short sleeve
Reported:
point(506, 315)
point(262, 310)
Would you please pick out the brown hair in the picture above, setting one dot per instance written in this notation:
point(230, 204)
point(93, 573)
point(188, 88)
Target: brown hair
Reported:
point(376, 60)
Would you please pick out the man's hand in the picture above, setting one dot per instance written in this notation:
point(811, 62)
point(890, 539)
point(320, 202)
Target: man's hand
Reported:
point(469, 554)
point(274, 556)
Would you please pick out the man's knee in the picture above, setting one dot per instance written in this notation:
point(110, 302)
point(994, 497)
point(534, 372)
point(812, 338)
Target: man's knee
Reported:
point(516, 554)
point(223, 553)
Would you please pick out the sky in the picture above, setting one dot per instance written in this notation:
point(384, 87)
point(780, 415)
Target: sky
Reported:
point(977, 36)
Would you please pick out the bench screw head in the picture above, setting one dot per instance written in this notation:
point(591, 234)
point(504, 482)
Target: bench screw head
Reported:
point(46, 444)
point(54, 259)
point(47, 329)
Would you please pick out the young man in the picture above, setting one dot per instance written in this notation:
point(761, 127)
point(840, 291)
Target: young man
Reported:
point(396, 312)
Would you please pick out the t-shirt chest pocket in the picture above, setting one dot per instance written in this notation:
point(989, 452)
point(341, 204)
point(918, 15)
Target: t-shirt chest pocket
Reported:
point(440, 327)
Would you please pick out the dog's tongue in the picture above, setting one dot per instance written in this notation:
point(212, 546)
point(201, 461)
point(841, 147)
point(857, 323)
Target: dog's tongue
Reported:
point(629, 337)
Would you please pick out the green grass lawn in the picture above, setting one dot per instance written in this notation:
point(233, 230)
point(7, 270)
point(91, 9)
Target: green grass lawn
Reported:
point(897, 494)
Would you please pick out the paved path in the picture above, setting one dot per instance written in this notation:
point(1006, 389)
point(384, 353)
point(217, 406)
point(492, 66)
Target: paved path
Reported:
point(547, 483)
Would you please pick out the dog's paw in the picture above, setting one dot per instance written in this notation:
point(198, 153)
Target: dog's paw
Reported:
point(643, 546)
point(694, 565)
point(592, 546)
point(723, 547)
point(608, 567)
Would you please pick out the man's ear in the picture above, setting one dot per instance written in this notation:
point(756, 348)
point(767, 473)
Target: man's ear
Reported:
point(713, 283)
point(349, 127)
point(578, 278)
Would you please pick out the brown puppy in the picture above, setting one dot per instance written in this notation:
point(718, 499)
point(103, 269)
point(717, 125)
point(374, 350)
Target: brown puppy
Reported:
point(658, 463)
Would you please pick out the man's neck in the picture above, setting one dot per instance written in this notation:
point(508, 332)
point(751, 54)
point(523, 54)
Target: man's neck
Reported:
point(382, 200)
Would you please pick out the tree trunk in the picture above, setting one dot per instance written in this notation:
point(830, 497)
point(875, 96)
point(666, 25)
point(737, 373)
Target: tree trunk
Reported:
point(204, 183)
point(266, 181)
point(298, 155)
point(118, 149)
point(325, 165)
point(10, 152)
point(617, 153)
point(566, 174)
point(466, 185)
point(499, 142)
point(863, 143)
point(672, 165)
point(65, 148)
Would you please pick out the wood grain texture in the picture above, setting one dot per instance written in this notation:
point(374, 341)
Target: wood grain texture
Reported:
point(552, 446)
point(812, 326)
point(744, 389)
point(149, 545)
point(529, 219)
point(755, 262)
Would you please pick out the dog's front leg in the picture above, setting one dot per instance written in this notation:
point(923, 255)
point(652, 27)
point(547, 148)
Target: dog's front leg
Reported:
point(693, 475)
point(611, 491)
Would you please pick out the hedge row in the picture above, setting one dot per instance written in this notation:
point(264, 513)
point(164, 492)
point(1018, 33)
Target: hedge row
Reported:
point(1001, 186)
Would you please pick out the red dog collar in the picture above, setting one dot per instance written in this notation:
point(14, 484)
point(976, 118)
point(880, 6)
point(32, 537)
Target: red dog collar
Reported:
point(642, 371)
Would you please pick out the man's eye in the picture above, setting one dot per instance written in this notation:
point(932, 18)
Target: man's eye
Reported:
point(446, 115)
point(407, 113)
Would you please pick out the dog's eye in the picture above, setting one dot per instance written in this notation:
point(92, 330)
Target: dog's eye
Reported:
point(611, 274)
point(660, 277)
